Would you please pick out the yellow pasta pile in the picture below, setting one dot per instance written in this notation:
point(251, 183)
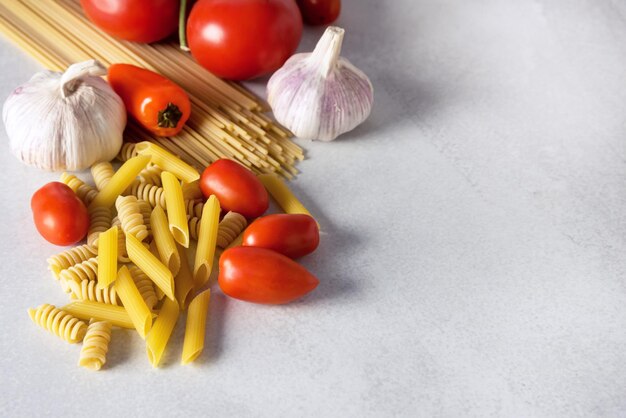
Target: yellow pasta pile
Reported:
point(226, 120)
point(135, 270)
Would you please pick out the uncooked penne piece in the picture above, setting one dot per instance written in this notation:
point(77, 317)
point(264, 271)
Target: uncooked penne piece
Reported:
point(155, 252)
point(133, 302)
point(107, 257)
point(161, 331)
point(195, 327)
point(176, 213)
point(168, 162)
point(164, 240)
point(120, 181)
point(207, 240)
point(86, 310)
point(151, 265)
point(183, 282)
point(282, 195)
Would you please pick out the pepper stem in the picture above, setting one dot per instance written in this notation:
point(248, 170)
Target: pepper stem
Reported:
point(327, 50)
point(182, 25)
point(169, 117)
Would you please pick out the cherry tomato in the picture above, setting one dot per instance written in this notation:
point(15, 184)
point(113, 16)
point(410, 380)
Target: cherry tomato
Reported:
point(263, 276)
point(243, 39)
point(236, 187)
point(134, 20)
point(158, 104)
point(60, 216)
point(319, 12)
point(291, 235)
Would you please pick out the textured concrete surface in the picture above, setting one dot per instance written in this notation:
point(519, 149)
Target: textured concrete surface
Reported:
point(473, 258)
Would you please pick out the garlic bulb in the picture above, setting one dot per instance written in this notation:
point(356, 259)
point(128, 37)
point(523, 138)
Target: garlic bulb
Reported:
point(65, 121)
point(320, 95)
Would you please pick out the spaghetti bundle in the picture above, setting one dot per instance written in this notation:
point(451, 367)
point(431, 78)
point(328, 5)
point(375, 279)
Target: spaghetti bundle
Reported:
point(226, 120)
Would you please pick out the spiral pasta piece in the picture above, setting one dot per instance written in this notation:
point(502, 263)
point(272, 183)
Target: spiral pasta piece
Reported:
point(127, 152)
point(95, 345)
point(144, 285)
point(85, 192)
point(122, 254)
point(69, 258)
point(100, 218)
point(88, 290)
point(149, 192)
point(130, 216)
point(151, 175)
point(58, 322)
point(194, 227)
point(87, 270)
point(102, 173)
point(146, 210)
point(194, 208)
point(229, 228)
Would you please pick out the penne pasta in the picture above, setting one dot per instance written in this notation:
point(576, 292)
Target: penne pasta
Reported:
point(195, 327)
point(164, 240)
point(87, 310)
point(155, 252)
point(120, 181)
point(207, 239)
point(183, 282)
point(133, 302)
point(176, 212)
point(168, 161)
point(161, 331)
point(282, 195)
point(151, 265)
point(107, 257)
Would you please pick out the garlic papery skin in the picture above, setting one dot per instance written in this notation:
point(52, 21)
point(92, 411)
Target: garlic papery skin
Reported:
point(320, 95)
point(65, 121)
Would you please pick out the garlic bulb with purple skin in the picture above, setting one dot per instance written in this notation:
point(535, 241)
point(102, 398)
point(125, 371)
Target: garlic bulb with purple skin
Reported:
point(320, 95)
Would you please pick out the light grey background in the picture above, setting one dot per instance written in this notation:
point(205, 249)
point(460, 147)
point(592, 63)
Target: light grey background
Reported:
point(473, 260)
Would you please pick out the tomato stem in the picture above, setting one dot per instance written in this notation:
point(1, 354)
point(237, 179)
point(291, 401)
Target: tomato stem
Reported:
point(182, 25)
point(169, 117)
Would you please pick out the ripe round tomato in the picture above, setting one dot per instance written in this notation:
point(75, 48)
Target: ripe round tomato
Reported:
point(60, 216)
point(290, 235)
point(236, 187)
point(134, 20)
point(263, 276)
point(243, 39)
point(319, 12)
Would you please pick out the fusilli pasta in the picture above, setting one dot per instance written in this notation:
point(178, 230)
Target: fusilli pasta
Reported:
point(130, 216)
point(100, 218)
point(95, 345)
point(85, 192)
point(71, 257)
point(231, 225)
point(58, 322)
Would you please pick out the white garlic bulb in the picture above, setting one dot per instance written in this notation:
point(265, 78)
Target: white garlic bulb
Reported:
point(65, 121)
point(320, 95)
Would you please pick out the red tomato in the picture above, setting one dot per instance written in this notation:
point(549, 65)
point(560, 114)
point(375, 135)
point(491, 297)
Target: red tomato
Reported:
point(236, 187)
point(243, 39)
point(319, 12)
point(134, 20)
point(60, 216)
point(263, 276)
point(290, 235)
